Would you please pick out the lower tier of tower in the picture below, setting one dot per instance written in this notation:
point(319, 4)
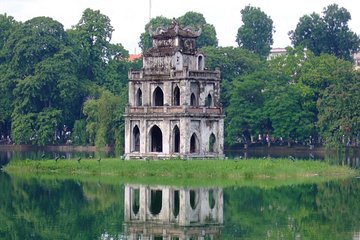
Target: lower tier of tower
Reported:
point(163, 138)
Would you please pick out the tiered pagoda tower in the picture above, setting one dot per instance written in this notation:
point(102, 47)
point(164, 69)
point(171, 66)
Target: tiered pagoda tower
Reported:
point(174, 103)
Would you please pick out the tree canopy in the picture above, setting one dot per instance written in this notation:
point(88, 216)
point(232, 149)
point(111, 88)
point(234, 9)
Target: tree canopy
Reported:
point(256, 32)
point(329, 33)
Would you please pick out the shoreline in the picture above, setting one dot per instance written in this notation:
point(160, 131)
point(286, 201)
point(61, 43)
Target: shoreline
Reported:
point(58, 148)
point(194, 172)
point(250, 148)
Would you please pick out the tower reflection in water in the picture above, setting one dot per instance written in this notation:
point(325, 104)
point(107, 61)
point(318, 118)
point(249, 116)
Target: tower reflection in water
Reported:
point(171, 213)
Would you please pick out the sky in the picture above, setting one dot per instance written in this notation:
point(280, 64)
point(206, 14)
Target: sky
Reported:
point(128, 17)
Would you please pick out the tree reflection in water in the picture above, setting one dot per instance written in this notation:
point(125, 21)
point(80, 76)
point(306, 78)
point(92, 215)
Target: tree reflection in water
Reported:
point(50, 208)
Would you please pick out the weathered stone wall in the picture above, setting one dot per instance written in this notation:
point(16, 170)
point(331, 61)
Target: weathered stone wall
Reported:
point(173, 63)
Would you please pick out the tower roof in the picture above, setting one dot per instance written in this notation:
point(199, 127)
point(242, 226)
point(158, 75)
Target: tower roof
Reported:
point(175, 31)
point(167, 41)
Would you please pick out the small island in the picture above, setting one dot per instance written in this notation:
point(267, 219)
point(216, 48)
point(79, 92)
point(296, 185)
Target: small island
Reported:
point(262, 172)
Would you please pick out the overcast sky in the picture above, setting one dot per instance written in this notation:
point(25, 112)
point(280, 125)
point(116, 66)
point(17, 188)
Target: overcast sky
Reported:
point(128, 17)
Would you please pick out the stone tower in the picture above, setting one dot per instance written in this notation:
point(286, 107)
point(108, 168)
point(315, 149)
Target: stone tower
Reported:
point(174, 103)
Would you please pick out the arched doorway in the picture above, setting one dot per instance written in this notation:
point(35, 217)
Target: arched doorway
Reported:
point(158, 97)
point(136, 139)
point(212, 141)
point(138, 97)
point(155, 139)
point(176, 97)
point(176, 139)
point(194, 144)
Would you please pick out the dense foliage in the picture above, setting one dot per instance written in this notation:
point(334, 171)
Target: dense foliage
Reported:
point(51, 78)
point(70, 86)
point(256, 32)
point(329, 33)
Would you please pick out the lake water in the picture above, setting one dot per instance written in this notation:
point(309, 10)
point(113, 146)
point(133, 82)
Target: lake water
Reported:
point(35, 208)
point(54, 208)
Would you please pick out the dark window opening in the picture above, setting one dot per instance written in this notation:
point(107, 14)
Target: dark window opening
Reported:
point(176, 206)
point(200, 63)
point(176, 140)
point(136, 139)
point(138, 98)
point(135, 200)
point(211, 199)
point(176, 100)
point(208, 101)
point(158, 97)
point(156, 139)
point(212, 141)
point(193, 100)
point(194, 144)
point(155, 201)
point(193, 200)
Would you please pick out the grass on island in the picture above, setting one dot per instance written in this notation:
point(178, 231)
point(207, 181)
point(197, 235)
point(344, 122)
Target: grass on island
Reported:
point(259, 172)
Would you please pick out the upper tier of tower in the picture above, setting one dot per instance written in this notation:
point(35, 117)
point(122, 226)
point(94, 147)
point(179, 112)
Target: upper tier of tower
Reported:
point(174, 48)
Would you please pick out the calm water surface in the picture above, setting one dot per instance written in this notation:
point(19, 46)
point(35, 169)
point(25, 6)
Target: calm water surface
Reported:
point(53, 208)
point(35, 208)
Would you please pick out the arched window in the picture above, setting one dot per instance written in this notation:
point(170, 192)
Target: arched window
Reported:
point(194, 198)
point(212, 200)
point(193, 101)
point(138, 98)
point(212, 141)
point(208, 102)
point(135, 200)
point(176, 203)
point(136, 139)
point(176, 139)
point(194, 144)
point(156, 139)
point(200, 62)
point(176, 97)
point(155, 202)
point(158, 97)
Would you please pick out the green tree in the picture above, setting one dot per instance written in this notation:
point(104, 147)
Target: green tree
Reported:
point(244, 113)
point(329, 33)
point(145, 38)
point(233, 62)
point(92, 35)
point(8, 26)
point(104, 118)
point(339, 111)
point(322, 71)
point(288, 109)
point(196, 21)
point(46, 85)
point(256, 32)
point(34, 41)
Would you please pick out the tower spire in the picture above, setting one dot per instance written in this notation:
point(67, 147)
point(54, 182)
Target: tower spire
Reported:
point(149, 10)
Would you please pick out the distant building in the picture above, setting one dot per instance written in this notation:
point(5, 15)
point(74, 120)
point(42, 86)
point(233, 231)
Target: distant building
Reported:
point(133, 57)
point(357, 60)
point(274, 52)
point(174, 105)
